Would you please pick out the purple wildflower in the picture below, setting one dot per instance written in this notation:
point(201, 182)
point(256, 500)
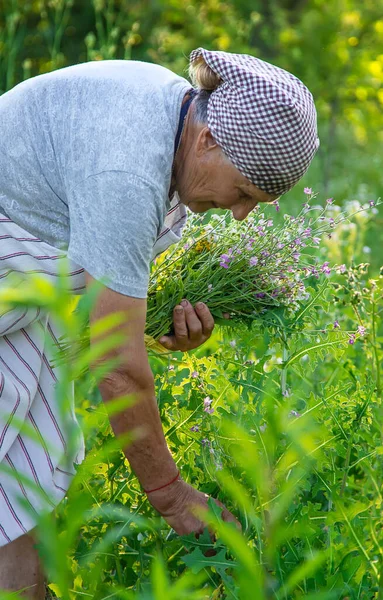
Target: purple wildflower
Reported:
point(330, 200)
point(280, 246)
point(276, 204)
point(207, 405)
point(336, 325)
point(316, 240)
point(352, 339)
point(325, 268)
point(341, 269)
point(361, 330)
point(269, 223)
point(253, 261)
point(233, 343)
point(372, 203)
point(225, 260)
point(194, 374)
point(194, 428)
point(308, 191)
point(307, 232)
point(294, 413)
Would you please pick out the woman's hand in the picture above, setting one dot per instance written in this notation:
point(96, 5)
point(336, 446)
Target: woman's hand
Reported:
point(192, 327)
point(175, 503)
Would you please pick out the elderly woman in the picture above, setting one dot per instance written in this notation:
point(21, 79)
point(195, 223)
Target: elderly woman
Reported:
point(97, 163)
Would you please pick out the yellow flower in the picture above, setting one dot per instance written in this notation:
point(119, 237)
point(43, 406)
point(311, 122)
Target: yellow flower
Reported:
point(202, 245)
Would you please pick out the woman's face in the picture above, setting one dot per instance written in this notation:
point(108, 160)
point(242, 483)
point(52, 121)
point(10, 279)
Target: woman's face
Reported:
point(206, 179)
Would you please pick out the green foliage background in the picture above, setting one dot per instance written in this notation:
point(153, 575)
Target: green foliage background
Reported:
point(335, 47)
point(295, 444)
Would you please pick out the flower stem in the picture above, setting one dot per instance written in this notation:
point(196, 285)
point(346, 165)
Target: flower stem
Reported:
point(377, 362)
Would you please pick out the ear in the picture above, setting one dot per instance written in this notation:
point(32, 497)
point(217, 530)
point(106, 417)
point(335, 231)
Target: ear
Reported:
point(205, 142)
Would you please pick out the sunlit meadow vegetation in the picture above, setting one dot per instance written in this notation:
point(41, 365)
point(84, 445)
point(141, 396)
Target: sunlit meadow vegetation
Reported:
point(282, 421)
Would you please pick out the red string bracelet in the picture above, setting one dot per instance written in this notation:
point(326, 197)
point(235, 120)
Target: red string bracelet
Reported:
point(163, 486)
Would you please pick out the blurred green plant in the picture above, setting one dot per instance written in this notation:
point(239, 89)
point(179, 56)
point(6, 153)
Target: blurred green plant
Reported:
point(292, 436)
point(292, 440)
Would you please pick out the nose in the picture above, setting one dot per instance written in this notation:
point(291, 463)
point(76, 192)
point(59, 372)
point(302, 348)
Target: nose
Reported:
point(240, 212)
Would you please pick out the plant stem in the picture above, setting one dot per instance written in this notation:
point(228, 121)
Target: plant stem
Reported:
point(347, 466)
point(285, 357)
point(377, 362)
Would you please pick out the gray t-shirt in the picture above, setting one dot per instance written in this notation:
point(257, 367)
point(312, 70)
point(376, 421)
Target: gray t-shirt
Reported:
point(85, 163)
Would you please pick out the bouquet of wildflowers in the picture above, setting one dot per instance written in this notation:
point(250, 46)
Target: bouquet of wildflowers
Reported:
point(243, 269)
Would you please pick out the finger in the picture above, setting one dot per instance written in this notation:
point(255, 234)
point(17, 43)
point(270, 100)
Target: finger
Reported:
point(181, 333)
point(212, 535)
point(193, 322)
point(206, 318)
point(169, 342)
point(198, 528)
point(227, 516)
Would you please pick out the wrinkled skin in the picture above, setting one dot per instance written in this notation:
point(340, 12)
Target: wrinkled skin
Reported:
point(192, 327)
point(177, 503)
point(205, 178)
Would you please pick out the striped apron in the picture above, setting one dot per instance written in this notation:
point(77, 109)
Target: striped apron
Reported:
point(52, 444)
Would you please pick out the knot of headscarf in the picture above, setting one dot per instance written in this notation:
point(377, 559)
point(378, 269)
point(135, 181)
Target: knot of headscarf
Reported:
point(263, 118)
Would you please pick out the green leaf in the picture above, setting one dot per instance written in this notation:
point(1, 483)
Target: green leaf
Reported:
point(196, 561)
point(304, 571)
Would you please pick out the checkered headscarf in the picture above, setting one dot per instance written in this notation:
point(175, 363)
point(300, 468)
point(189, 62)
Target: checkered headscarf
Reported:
point(263, 118)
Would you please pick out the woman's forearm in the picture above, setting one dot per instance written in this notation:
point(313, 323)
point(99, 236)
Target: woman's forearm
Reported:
point(148, 455)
